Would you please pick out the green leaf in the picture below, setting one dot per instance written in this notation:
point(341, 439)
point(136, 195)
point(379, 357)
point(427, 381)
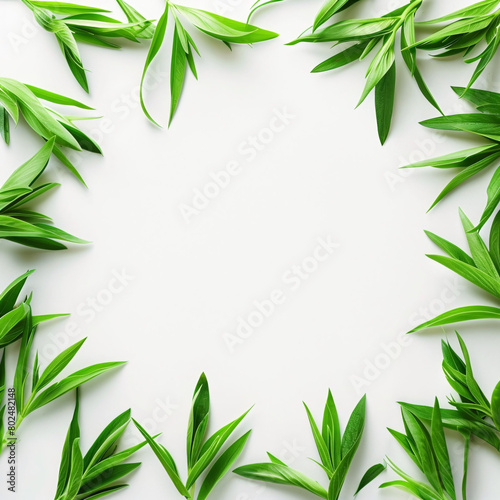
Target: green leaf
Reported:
point(28, 172)
point(70, 383)
point(56, 98)
point(464, 175)
point(107, 439)
point(4, 125)
point(460, 314)
point(225, 29)
point(165, 459)
point(107, 491)
point(108, 463)
point(460, 27)
point(463, 158)
point(9, 296)
point(57, 365)
point(281, 474)
point(331, 430)
point(221, 466)
point(384, 102)
point(493, 192)
point(320, 443)
point(343, 58)
point(108, 477)
point(329, 9)
point(350, 30)
point(441, 451)
point(75, 472)
point(476, 123)
point(156, 43)
point(144, 31)
point(495, 406)
point(11, 319)
point(66, 9)
point(177, 72)
point(477, 9)
point(379, 67)
point(67, 453)
point(495, 241)
point(198, 420)
point(478, 248)
point(482, 99)
point(470, 273)
point(370, 475)
point(452, 250)
point(210, 449)
point(258, 5)
point(350, 443)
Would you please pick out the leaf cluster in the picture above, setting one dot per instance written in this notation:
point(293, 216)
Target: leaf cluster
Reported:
point(18, 99)
point(95, 474)
point(14, 313)
point(71, 23)
point(21, 225)
point(471, 27)
point(183, 46)
point(203, 454)
point(481, 267)
point(429, 451)
point(471, 161)
point(363, 37)
point(37, 389)
point(336, 452)
point(472, 413)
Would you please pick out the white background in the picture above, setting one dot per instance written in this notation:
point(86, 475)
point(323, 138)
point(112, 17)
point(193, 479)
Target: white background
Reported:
point(325, 175)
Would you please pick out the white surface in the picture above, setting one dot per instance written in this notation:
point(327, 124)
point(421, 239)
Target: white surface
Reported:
point(324, 175)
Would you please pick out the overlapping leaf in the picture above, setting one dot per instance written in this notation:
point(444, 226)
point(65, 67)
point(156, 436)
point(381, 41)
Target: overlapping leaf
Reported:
point(43, 388)
point(22, 225)
point(336, 452)
point(428, 449)
point(472, 413)
point(365, 35)
point(482, 268)
point(213, 25)
point(18, 99)
point(204, 456)
point(99, 472)
point(471, 28)
point(72, 23)
point(473, 160)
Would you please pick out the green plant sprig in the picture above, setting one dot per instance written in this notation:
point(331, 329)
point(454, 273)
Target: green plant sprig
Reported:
point(367, 34)
point(42, 390)
point(203, 455)
point(184, 47)
point(472, 414)
point(471, 161)
point(482, 268)
point(258, 5)
point(336, 454)
point(97, 474)
point(91, 25)
point(14, 314)
point(18, 99)
point(24, 226)
point(429, 451)
point(471, 27)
